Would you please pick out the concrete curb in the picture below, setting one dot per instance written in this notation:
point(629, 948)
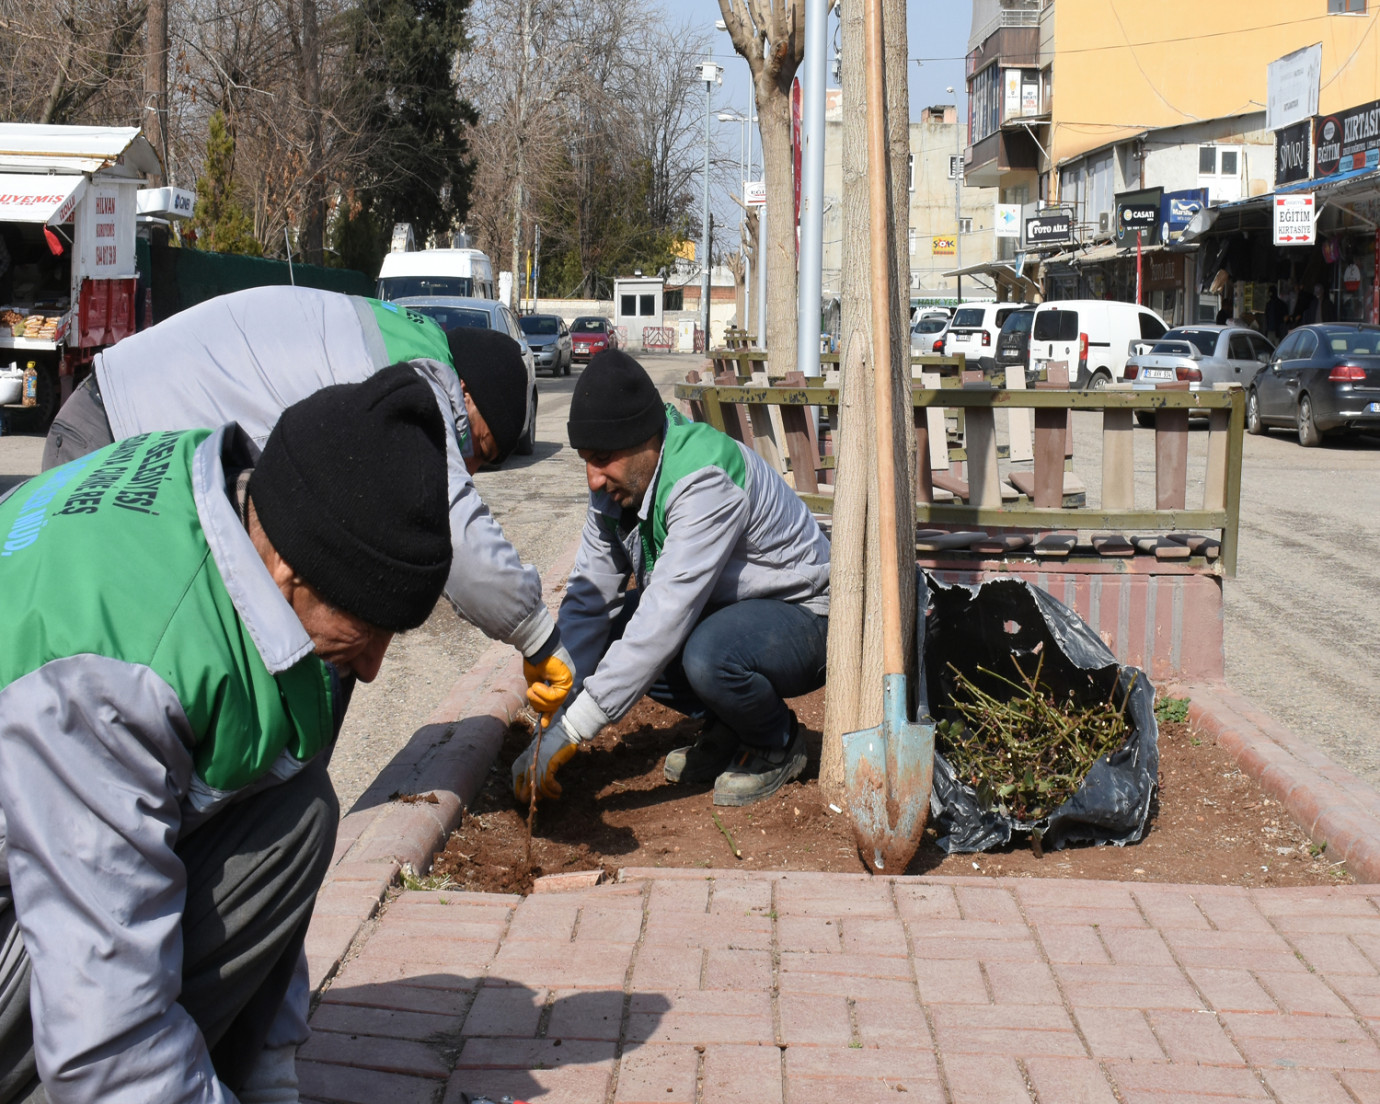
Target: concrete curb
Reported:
point(408, 812)
point(1331, 804)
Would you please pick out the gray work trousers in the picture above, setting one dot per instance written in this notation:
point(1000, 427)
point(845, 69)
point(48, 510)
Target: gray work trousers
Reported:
point(253, 870)
point(81, 426)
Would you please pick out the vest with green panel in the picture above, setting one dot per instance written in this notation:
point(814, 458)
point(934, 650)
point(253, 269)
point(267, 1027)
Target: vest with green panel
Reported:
point(106, 556)
point(689, 447)
point(411, 335)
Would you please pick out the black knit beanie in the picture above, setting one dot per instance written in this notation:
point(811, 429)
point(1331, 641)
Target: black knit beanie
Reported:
point(615, 405)
point(351, 491)
point(490, 366)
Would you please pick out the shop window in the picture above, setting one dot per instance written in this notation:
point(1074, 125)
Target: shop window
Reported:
point(985, 100)
point(673, 300)
point(1229, 162)
point(627, 305)
point(1346, 7)
point(1207, 160)
point(646, 305)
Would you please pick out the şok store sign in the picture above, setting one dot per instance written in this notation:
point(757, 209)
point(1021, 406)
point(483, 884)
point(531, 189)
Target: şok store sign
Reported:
point(1348, 140)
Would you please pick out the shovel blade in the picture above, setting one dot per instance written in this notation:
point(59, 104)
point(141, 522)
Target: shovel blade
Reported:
point(888, 772)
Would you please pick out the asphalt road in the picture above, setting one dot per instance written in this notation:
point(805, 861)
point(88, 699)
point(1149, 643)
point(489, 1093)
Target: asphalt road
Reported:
point(1301, 640)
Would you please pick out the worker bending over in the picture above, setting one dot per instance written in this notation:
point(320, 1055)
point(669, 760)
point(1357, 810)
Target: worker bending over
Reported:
point(729, 613)
point(181, 615)
point(246, 356)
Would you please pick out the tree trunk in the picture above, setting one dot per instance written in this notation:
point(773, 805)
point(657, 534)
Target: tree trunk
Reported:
point(312, 234)
point(774, 111)
point(519, 133)
point(854, 699)
point(155, 116)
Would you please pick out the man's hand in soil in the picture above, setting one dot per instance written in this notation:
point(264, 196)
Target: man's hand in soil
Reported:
point(548, 682)
point(557, 747)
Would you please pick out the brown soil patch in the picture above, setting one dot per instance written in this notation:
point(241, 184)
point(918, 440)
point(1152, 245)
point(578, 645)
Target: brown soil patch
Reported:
point(1214, 825)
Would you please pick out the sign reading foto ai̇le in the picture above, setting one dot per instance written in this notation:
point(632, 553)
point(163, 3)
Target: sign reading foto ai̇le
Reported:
point(1294, 219)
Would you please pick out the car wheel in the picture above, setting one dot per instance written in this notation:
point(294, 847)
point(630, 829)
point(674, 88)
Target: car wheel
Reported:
point(1309, 434)
point(1254, 425)
point(1099, 381)
point(1145, 418)
point(527, 442)
point(566, 371)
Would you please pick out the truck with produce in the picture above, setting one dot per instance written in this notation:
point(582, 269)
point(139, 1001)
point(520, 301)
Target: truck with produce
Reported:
point(68, 278)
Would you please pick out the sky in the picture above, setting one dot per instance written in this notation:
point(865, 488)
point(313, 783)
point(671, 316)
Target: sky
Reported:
point(937, 39)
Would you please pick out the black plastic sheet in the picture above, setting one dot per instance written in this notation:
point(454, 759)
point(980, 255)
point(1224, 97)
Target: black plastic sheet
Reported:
point(984, 626)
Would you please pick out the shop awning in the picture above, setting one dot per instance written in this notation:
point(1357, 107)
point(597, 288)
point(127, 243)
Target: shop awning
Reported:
point(39, 197)
point(1003, 275)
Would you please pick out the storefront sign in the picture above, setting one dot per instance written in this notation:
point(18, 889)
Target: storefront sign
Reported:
point(755, 193)
point(1293, 153)
point(1292, 87)
point(1138, 211)
point(942, 247)
point(1007, 221)
point(1347, 140)
point(1164, 271)
point(1011, 93)
point(1177, 210)
point(104, 226)
point(1294, 219)
point(1049, 228)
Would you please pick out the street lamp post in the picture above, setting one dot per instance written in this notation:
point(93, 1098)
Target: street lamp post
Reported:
point(711, 73)
point(958, 204)
point(744, 174)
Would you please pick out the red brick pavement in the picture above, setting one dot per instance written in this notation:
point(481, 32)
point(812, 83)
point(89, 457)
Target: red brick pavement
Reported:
point(702, 987)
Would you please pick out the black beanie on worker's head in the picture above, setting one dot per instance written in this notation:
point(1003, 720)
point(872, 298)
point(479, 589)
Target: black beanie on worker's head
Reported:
point(351, 492)
point(490, 366)
point(615, 406)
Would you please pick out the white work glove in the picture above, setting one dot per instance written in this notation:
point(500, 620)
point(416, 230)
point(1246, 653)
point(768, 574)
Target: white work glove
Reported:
point(558, 745)
point(549, 680)
point(273, 1080)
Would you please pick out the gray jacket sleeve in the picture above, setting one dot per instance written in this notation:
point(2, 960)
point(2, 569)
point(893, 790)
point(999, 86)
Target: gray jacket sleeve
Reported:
point(489, 585)
point(594, 594)
point(706, 518)
point(93, 768)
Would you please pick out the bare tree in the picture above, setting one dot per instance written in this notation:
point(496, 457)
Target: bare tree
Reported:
point(855, 616)
point(770, 35)
point(155, 106)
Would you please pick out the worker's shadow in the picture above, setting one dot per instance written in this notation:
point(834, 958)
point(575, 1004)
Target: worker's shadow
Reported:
point(485, 1037)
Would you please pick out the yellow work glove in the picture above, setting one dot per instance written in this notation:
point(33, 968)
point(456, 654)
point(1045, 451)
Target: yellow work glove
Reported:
point(549, 680)
point(556, 748)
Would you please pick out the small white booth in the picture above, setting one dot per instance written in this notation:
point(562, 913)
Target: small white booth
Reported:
point(637, 304)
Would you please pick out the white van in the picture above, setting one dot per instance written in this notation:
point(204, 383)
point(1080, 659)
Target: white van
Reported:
point(973, 332)
point(1092, 336)
point(464, 272)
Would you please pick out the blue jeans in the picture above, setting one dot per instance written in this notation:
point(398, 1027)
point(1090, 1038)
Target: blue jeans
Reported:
point(739, 662)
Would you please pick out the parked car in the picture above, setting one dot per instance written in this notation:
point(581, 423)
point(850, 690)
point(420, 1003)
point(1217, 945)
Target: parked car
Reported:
point(590, 334)
point(1094, 337)
point(1013, 342)
point(926, 330)
point(1322, 379)
point(1203, 356)
point(450, 311)
point(973, 332)
point(549, 337)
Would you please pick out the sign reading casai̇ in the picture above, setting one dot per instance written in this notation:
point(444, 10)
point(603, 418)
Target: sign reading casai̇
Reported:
point(1349, 139)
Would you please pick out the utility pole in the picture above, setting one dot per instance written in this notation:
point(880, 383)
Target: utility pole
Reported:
point(812, 190)
point(711, 73)
point(958, 192)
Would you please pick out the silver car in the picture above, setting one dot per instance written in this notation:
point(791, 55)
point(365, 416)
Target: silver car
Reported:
point(1203, 356)
point(450, 311)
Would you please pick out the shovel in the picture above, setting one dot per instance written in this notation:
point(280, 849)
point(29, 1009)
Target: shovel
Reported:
point(888, 770)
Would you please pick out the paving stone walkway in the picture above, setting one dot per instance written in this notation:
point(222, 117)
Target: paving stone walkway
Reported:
point(714, 987)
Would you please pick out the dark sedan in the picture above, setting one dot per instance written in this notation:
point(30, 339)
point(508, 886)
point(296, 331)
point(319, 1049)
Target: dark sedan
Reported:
point(1322, 379)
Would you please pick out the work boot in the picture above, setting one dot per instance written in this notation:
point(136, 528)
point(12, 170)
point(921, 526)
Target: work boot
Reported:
point(706, 758)
point(758, 772)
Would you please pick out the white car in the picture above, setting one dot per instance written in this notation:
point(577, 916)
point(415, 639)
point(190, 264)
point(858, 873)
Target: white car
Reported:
point(1092, 337)
point(973, 332)
point(450, 311)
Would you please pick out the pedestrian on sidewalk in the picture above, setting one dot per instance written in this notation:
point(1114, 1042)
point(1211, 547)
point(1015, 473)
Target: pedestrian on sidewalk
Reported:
point(184, 617)
point(729, 613)
point(246, 356)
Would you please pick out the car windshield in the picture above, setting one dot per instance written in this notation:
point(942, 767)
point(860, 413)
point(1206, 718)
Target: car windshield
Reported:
point(1205, 341)
point(399, 287)
point(1173, 348)
point(969, 316)
point(451, 318)
point(1056, 325)
point(589, 325)
point(1355, 342)
point(539, 326)
point(1018, 322)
